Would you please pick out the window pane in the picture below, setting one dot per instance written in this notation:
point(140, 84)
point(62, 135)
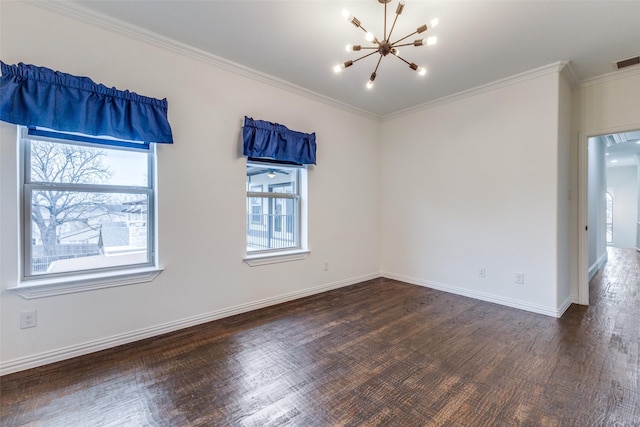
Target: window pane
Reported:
point(272, 223)
point(76, 164)
point(272, 178)
point(75, 231)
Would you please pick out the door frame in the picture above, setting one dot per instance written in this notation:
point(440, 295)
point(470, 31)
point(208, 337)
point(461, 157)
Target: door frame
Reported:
point(583, 192)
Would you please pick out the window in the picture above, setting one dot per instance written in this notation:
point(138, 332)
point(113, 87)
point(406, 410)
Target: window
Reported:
point(86, 208)
point(274, 205)
point(609, 219)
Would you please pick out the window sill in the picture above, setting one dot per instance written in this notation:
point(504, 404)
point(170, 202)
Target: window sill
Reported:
point(40, 288)
point(276, 257)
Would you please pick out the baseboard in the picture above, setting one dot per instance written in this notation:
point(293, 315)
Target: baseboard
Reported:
point(48, 357)
point(564, 306)
point(598, 265)
point(509, 302)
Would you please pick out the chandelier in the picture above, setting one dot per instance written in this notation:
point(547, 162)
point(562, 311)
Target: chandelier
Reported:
point(386, 46)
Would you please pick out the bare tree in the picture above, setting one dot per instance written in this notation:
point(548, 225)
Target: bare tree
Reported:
point(61, 163)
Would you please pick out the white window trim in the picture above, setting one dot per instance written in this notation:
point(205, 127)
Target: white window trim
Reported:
point(255, 260)
point(40, 288)
point(34, 287)
point(258, 258)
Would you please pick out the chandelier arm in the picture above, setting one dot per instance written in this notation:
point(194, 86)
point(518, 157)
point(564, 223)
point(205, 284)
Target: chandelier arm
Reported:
point(364, 56)
point(400, 45)
point(385, 22)
point(403, 60)
point(375, 40)
point(378, 64)
point(363, 29)
point(405, 37)
point(392, 27)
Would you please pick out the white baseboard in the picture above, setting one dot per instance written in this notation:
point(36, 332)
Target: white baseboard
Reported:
point(598, 265)
point(509, 302)
point(58, 355)
point(565, 305)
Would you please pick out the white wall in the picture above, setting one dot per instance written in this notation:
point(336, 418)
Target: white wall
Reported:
point(566, 278)
point(201, 249)
point(610, 103)
point(622, 183)
point(474, 183)
point(597, 204)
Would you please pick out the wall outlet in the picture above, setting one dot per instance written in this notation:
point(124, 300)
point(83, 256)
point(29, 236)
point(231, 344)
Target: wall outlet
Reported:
point(28, 319)
point(482, 272)
point(519, 278)
point(326, 265)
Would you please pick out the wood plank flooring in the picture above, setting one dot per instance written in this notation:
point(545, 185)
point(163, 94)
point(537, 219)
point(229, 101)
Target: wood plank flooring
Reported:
point(380, 353)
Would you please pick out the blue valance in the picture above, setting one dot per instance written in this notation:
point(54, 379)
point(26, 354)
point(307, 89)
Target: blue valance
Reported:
point(40, 97)
point(266, 140)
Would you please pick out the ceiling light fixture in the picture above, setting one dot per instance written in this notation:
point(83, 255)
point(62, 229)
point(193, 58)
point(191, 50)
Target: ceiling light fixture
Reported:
point(385, 46)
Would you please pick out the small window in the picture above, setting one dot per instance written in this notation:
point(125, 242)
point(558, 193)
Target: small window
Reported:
point(274, 198)
point(609, 219)
point(85, 207)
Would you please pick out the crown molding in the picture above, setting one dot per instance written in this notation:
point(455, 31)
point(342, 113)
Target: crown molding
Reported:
point(614, 75)
point(555, 67)
point(82, 14)
point(569, 74)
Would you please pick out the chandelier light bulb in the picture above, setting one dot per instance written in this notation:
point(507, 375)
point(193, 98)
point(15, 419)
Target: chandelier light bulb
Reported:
point(422, 71)
point(370, 37)
point(435, 22)
point(346, 14)
point(432, 40)
point(338, 68)
point(369, 84)
point(349, 48)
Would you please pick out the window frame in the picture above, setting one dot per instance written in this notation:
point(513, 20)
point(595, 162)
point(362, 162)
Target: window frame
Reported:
point(78, 280)
point(289, 253)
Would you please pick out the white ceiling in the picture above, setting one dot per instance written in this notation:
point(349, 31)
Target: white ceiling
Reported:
point(479, 42)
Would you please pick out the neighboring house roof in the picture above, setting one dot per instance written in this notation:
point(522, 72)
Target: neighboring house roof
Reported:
point(109, 235)
point(139, 206)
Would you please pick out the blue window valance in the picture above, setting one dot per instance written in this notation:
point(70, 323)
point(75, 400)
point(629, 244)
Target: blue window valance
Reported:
point(266, 140)
point(39, 97)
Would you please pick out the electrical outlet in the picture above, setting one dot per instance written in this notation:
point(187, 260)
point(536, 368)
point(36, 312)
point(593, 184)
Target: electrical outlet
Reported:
point(519, 278)
point(326, 265)
point(28, 319)
point(482, 272)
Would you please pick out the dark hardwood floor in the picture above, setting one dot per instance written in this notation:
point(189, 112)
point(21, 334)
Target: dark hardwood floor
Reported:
point(378, 353)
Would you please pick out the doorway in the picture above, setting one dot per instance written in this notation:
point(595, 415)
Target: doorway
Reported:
point(610, 201)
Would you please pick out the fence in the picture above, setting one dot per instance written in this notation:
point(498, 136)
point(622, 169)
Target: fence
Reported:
point(271, 231)
point(41, 264)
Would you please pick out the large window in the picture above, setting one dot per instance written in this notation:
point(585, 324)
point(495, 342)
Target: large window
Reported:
point(85, 207)
point(274, 198)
